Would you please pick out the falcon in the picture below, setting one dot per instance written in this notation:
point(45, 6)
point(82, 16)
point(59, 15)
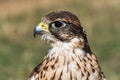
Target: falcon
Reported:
point(69, 56)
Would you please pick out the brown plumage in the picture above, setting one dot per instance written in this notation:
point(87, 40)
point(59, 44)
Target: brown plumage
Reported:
point(69, 57)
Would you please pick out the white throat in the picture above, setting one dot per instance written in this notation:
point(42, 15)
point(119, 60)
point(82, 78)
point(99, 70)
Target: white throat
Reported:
point(66, 50)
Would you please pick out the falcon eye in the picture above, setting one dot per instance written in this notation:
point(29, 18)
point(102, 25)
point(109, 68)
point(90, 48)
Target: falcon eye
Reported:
point(58, 24)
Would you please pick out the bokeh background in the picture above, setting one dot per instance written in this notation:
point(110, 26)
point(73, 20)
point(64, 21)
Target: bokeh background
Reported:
point(20, 52)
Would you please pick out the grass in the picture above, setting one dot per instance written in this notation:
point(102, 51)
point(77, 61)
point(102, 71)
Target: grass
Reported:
point(20, 52)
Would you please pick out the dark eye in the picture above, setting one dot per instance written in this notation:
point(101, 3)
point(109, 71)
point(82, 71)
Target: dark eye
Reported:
point(58, 24)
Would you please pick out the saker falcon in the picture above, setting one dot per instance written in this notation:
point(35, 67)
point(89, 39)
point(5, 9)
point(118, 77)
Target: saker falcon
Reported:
point(70, 56)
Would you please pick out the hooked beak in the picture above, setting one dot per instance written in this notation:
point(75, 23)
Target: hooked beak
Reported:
point(40, 29)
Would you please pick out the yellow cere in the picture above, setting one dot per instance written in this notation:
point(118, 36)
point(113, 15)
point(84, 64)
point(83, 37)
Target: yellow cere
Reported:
point(44, 26)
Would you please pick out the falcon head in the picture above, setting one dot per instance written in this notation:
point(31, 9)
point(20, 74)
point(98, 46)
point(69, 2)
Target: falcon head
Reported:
point(59, 26)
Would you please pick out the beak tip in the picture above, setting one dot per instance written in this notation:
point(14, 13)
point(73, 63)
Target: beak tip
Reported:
point(34, 35)
point(38, 30)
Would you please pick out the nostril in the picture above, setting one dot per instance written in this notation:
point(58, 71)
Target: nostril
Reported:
point(42, 25)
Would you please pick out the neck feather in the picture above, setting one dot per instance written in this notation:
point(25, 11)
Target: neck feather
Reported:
point(76, 47)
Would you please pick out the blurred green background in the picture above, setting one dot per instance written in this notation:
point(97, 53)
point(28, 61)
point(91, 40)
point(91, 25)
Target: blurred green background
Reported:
point(20, 52)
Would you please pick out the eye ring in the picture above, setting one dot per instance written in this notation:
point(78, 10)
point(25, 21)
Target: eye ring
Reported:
point(58, 24)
